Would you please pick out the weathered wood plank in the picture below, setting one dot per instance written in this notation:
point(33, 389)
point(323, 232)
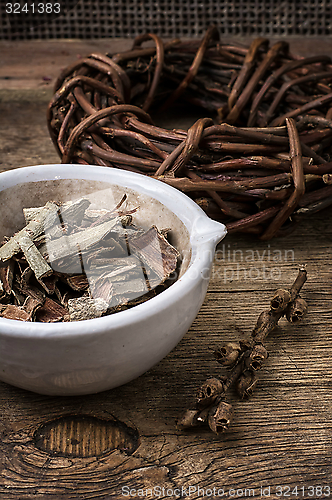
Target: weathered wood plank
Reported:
point(36, 64)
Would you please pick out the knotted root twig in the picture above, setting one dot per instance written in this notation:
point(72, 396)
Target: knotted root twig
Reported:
point(243, 360)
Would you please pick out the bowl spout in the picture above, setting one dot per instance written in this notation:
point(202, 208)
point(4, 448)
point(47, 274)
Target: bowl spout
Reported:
point(206, 230)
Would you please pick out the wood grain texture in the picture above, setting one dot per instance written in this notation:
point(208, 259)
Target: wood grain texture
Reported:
point(282, 436)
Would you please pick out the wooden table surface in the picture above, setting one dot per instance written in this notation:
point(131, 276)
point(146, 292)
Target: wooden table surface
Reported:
point(124, 443)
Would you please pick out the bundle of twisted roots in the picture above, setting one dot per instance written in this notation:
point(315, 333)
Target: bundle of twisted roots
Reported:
point(258, 159)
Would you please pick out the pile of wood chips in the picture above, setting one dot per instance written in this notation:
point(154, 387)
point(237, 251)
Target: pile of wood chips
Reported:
point(71, 263)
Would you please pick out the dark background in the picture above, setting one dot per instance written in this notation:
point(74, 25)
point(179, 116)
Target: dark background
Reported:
point(86, 19)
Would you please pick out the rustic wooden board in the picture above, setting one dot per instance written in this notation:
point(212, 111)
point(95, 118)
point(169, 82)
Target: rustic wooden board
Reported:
point(282, 436)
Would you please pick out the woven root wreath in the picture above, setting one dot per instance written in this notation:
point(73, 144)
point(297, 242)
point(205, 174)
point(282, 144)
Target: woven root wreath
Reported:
point(258, 161)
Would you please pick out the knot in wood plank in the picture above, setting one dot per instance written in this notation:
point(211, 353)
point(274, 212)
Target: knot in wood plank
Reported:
point(85, 436)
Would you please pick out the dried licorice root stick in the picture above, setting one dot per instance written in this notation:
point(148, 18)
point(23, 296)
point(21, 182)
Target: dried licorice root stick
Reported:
point(244, 360)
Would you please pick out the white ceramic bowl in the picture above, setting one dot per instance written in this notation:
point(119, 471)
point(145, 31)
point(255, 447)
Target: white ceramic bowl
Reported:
point(89, 356)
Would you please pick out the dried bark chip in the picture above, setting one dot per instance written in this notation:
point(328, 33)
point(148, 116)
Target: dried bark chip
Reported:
point(78, 282)
point(155, 252)
point(69, 217)
point(17, 296)
point(103, 289)
point(34, 229)
point(33, 256)
point(31, 304)
point(95, 257)
point(86, 308)
point(49, 283)
point(104, 217)
point(73, 264)
point(123, 233)
point(9, 249)
point(78, 242)
point(106, 285)
point(131, 288)
point(33, 291)
point(115, 246)
point(116, 266)
point(51, 312)
point(6, 276)
point(34, 213)
point(15, 312)
point(73, 212)
point(25, 277)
